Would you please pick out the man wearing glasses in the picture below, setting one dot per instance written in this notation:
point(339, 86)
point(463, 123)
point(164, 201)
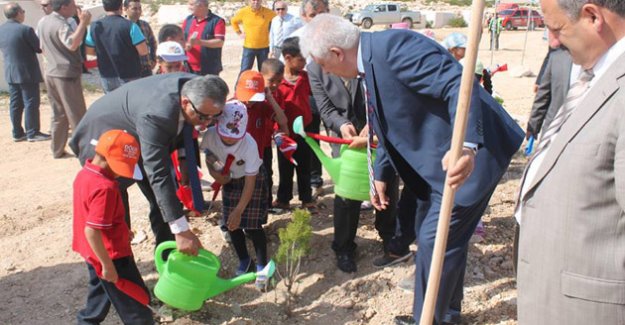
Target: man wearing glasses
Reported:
point(45, 6)
point(282, 26)
point(168, 104)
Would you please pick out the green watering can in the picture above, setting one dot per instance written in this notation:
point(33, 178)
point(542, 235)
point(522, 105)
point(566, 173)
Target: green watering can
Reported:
point(186, 281)
point(349, 171)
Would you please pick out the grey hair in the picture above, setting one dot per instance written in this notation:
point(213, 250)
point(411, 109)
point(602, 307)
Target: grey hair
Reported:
point(326, 31)
point(316, 5)
point(57, 4)
point(201, 2)
point(573, 8)
point(198, 89)
point(11, 10)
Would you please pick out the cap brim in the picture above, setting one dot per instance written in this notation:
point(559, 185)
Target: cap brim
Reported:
point(258, 97)
point(174, 58)
point(123, 169)
point(227, 134)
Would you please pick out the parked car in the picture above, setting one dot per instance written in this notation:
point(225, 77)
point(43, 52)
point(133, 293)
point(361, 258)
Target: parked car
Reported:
point(515, 18)
point(384, 13)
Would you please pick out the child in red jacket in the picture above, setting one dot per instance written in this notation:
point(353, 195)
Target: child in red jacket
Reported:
point(295, 92)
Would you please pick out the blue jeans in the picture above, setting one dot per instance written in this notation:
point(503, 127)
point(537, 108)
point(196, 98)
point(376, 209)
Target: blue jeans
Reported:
point(24, 100)
point(247, 60)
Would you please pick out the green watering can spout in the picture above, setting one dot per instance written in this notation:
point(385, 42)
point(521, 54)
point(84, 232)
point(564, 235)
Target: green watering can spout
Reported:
point(185, 281)
point(333, 166)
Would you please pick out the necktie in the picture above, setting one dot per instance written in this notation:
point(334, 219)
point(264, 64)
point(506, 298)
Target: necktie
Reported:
point(573, 97)
point(369, 110)
point(194, 177)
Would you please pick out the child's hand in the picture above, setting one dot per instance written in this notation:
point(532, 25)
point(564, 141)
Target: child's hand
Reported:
point(234, 220)
point(109, 273)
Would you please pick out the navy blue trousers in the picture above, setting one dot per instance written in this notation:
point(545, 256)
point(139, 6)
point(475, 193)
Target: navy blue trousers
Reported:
point(103, 293)
point(462, 225)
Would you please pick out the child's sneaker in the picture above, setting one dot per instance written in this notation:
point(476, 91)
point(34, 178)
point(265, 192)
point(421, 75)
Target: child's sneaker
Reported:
point(245, 266)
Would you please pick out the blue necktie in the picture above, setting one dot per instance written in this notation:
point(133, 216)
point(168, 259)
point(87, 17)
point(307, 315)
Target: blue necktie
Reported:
point(194, 177)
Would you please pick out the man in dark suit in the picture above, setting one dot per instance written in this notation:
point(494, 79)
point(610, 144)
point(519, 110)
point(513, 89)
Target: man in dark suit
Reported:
point(156, 110)
point(551, 93)
point(341, 103)
point(20, 46)
point(412, 86)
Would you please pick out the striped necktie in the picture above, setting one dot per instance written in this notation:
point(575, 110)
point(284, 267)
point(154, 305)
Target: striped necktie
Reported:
point(280, 36)
point(573, 98)
point(369, 110)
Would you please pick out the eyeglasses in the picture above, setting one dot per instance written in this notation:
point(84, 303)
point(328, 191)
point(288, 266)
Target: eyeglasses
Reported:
point(45, 4)
point(202, 116)
point(280, 9)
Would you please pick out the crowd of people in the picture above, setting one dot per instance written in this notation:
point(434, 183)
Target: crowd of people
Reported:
point(395, 102)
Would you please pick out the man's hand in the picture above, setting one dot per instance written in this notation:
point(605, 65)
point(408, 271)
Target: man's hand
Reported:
point(348, 131)
point(458, 174)
point(109, 273)
point(188, 243)
point(358, 142)
point(85, 16)
point(364, 132)
point(194, 41)
point(234, 220)
point(379, 201)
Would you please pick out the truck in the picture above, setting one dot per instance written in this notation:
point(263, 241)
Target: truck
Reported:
point(384, 13)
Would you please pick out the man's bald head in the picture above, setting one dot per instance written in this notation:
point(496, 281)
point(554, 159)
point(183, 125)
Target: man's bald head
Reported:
point(12, 10)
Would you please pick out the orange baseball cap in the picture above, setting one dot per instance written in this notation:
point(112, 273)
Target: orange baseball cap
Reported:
point(122, 153)
point(251, 87)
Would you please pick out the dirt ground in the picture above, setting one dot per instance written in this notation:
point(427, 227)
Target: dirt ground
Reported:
point(43, 282)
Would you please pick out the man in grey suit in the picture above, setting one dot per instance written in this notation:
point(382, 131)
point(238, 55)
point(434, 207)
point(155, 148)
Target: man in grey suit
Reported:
point(551, 91)
point(572, 199)
point(20, 46)
point(155, 110)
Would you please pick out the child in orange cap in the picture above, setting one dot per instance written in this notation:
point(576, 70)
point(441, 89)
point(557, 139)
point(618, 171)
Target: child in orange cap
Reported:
point(244, 188)
point(101, 235)
point(263, 112)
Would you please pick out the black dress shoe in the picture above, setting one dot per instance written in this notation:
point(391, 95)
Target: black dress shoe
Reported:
point(405, 320)
point(345, 263)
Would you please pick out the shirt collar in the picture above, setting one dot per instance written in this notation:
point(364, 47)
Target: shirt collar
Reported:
point(361, 65)
point(603, 64)
point(98, 170)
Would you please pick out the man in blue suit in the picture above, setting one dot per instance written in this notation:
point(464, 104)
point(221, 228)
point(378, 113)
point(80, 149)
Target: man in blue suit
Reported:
point(413, 86)
point(19, 46)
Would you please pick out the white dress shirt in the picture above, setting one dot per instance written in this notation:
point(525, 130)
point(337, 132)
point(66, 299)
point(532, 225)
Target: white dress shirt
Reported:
point(290, 24)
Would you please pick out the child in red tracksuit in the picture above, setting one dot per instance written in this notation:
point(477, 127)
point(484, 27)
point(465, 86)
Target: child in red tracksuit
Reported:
point(263, 112)
point(295, 92)
point(101, 235)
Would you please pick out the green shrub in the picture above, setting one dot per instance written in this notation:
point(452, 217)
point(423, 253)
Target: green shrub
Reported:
point(294, 244)
point(457, 22)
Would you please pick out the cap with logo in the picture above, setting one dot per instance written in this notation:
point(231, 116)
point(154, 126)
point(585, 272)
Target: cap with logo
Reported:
point(251, 87)
point(233, 121)
point(171, 51)
point(122, 153)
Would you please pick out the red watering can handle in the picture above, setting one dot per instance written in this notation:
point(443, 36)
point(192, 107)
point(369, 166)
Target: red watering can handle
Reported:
point(330, 139)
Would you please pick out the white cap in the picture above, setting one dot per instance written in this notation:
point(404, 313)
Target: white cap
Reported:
point(171, 51)
point(233, 121)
